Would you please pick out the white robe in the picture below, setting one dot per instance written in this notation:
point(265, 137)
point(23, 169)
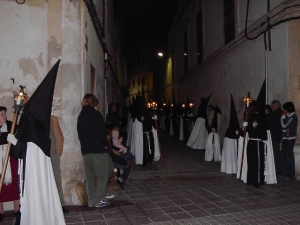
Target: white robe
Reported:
point(156, 145)
point(197, 139)
point(137, 142)
point(229, 156)
point(213, 152)
point(40, 203)
point(270, 172)
point(162, 123)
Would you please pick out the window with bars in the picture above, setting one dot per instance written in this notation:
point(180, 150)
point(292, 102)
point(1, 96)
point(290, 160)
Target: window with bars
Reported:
point(229, 20)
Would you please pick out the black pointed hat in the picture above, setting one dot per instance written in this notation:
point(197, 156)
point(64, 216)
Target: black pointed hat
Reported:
point(214, 123)
point(234, 126)
point(257, 124)
point(34, 125)
point(260, 102)
point(203, 107)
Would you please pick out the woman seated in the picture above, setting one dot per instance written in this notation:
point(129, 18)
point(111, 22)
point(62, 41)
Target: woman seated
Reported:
point(120, 155)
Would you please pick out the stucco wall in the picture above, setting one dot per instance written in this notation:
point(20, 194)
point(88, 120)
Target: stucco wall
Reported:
point(33, 37)
point(235, 69)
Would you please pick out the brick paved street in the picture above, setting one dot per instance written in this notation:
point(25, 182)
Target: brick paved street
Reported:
point(184, 189)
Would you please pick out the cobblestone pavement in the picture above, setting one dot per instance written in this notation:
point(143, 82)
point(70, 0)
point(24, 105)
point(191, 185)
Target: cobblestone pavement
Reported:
point(184, 189)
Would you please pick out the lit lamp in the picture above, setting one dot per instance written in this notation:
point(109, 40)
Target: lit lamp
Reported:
point(191, 105)
point(20, 99)
point(248, 100)
point(183, 105)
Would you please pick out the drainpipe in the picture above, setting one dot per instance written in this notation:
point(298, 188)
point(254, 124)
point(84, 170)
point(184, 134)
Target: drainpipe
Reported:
point(267, 49)
point(105, 84)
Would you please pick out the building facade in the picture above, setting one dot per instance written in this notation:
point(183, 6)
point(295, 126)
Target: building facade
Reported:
point(34, 35)
point(230, 47)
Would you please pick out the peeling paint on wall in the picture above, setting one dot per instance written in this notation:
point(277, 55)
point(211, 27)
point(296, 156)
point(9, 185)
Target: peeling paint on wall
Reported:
point(28, 66)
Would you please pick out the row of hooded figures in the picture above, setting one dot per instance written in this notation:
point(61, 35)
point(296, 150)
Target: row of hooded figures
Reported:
point(247, 151)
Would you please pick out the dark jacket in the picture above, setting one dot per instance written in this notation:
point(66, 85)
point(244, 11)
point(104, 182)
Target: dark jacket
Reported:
point(91, 131)
point(289, 126)
point(274, 125)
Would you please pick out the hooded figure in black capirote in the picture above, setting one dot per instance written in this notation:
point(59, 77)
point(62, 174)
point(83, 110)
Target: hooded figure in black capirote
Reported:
point(213, 150)
point(198, 136)
point(258, 162)
point(40, 203)
point(230, 146)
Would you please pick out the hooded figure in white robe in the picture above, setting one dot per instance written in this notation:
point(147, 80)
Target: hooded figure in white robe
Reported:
point(230, 145)
point(212, 150)
point(40, 202)
point(198, 136)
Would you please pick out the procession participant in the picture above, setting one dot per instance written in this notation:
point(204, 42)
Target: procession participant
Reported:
point(258, 162)
point(230, 146)
point(40, 203)
point(198, 136)
point(213, 151)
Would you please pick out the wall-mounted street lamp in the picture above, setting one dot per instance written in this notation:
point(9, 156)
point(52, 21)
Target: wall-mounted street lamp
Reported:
point(160, 54)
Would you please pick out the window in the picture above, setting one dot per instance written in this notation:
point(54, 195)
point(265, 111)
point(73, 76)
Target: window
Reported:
point(229, 24)
point(199, 38)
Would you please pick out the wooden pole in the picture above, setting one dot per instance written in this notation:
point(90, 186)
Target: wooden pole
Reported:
point(12, 130)
point(245, 132)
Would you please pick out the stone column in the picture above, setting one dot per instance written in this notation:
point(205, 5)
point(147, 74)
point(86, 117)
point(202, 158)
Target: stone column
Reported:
point(294, 81)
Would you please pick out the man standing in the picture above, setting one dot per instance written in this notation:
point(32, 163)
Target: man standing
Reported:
point(289, 123)
point(97, 162)
point(273, 120)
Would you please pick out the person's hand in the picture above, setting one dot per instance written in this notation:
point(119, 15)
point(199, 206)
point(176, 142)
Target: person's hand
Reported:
point(12, 139)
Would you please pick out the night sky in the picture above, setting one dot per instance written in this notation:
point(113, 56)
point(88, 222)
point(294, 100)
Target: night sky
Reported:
point(140, 18)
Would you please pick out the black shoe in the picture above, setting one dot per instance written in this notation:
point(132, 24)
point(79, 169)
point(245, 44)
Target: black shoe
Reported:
point(17, 219)
point(120, 184)
point(65, 211)
point(1, 217)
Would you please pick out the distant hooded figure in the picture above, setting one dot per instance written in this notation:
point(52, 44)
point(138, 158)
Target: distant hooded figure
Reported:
point(230, 146)
point(40, 203)
point(213, 152)
point(198, 136)
point(258, 165)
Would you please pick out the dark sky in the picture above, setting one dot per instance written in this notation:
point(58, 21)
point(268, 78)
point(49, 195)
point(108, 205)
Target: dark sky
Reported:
point(144, 17)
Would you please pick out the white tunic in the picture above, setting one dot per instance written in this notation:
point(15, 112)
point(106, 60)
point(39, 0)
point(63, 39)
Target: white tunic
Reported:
point(212, 150)
point(197, 139)
point(40, 203)
point(229, 156)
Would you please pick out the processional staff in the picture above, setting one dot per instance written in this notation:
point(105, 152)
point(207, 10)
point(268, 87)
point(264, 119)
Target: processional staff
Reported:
point(20, 99)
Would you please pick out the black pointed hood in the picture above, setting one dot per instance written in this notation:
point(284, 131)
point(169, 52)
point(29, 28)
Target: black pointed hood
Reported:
point(257, 125)
point(215, 122)
point(203, 107)
point(234, 126)
point(34, 125)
